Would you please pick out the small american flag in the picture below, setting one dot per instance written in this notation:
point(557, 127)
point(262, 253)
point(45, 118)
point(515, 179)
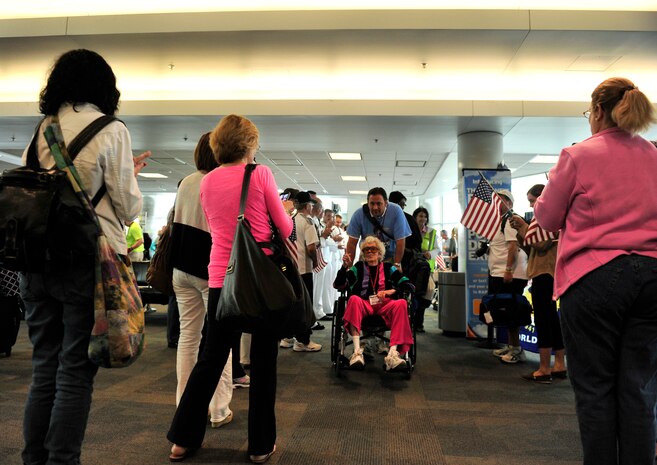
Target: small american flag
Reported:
point(482, 215)
point(440, 262)
point(536, 234)
point(321, 263)
point(291, 243)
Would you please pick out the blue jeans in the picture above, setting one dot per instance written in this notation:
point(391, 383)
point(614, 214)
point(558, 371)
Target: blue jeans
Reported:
point(59, 315)
point(609, 324)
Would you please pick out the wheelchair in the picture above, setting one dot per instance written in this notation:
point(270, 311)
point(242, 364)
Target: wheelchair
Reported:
point(372, 328)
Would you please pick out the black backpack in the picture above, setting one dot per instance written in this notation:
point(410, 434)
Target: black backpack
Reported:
point(43, 224)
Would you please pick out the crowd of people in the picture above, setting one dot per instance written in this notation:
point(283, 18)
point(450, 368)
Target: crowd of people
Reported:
point(603, 267)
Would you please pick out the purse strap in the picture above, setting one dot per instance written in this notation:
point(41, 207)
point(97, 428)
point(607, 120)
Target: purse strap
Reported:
point(245, 189)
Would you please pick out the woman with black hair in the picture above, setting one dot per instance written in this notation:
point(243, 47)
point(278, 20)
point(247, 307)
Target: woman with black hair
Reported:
point(59, 304)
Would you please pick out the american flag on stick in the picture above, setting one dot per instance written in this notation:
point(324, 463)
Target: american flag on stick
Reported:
point(440, 262)
point(291, 244)
point(536, 234)
point(482, 215)
point(321, 263)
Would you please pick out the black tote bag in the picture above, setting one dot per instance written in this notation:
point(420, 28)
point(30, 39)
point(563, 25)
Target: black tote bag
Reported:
point(262, 292)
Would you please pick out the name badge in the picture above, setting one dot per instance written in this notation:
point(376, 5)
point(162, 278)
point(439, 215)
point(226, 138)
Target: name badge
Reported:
point(374, 300)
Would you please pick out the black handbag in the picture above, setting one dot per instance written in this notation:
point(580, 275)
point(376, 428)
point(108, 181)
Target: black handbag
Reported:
point(511, 310)
point(260, 291)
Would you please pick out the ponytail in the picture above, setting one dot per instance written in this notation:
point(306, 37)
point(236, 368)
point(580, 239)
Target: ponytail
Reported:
point(626, 106)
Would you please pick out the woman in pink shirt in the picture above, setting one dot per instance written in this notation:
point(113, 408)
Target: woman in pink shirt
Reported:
point(234, 143)
point(606, 274)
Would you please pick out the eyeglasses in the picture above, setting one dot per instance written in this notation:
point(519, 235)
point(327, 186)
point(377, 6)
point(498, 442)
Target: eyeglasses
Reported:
point(587, 114)
point(370, 249)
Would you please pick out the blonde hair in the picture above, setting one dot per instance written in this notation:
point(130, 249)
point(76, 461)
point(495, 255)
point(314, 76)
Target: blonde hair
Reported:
point(373, 240)
point(624, 105)
point(233, 138)
point(455, 233)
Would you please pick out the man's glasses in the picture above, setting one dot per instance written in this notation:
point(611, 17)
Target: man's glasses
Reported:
point(370, 249)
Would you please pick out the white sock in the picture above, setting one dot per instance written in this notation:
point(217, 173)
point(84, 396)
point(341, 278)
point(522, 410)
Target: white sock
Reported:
point(356, 340)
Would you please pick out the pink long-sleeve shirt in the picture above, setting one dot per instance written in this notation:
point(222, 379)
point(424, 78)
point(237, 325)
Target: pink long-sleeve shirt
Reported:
point(220, 199)
point(602, 194)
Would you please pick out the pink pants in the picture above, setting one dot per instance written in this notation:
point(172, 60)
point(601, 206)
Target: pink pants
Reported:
point(394, 314)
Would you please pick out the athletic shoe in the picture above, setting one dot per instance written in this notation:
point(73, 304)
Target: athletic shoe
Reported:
point(243, 381)
point(317, 326)
point(310, 347)
point(220, 423)
point(501, 352)
point(287, 342)
point(357, 360)
point(393, 360)
point(514, 356)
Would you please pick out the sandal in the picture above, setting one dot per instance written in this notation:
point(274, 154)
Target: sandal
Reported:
point(262, 458)
point(181, 453)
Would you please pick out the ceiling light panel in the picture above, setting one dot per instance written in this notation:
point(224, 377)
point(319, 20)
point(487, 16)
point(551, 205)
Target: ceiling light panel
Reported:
point(152, 175)
point(551, 159)
point(358, 192)
point(345, 155)
point(354, 178)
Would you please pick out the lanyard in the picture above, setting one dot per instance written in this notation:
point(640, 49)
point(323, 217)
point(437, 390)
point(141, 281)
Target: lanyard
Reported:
point(375, 282)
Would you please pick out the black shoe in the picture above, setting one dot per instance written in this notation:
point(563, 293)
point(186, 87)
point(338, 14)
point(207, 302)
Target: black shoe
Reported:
point(420, 329)
point(541, 379)
point(317, 326)
point(172, 345)
point(326, 317)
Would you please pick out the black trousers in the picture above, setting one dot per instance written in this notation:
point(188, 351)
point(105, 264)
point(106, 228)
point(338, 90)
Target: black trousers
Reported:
point(189, 422)
point(307, 279)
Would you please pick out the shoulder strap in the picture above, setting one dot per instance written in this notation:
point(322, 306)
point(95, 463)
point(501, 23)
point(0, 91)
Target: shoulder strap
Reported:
point(374, 222)
point(245, 187)
point(88, 133)
point(74, 148)
point(82, 139)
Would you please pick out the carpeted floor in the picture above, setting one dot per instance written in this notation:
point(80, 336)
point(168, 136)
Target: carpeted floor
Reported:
point(461, 407)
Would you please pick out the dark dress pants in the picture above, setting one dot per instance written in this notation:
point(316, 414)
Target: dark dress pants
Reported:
point(609, 324)
point(189, 422)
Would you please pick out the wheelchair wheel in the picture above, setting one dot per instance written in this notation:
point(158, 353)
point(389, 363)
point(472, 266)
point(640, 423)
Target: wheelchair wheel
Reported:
point(337, 336)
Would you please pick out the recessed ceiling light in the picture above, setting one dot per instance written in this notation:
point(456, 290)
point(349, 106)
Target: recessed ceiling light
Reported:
point(545, 159)
point(358, 192)
point(344, 155)
point(153, 175)
point(354, 178)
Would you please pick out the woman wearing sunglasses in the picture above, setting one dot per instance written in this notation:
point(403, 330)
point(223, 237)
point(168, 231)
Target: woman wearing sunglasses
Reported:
point(374, 287)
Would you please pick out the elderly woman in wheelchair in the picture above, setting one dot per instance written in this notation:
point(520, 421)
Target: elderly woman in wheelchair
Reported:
point(375, 288)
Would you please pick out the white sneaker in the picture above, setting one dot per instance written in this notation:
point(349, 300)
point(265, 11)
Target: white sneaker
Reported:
point(501, 352)
point(393, 360)
point(310, 347)
point(357, 360)
point(287, 342)
point(514, 356)
point(220, 423)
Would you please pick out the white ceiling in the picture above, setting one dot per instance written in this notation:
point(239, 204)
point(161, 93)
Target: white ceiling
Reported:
point(358, 89)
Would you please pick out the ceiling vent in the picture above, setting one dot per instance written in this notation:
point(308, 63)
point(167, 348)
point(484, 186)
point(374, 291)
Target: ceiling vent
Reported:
point(286, 162)
point(410, 164)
